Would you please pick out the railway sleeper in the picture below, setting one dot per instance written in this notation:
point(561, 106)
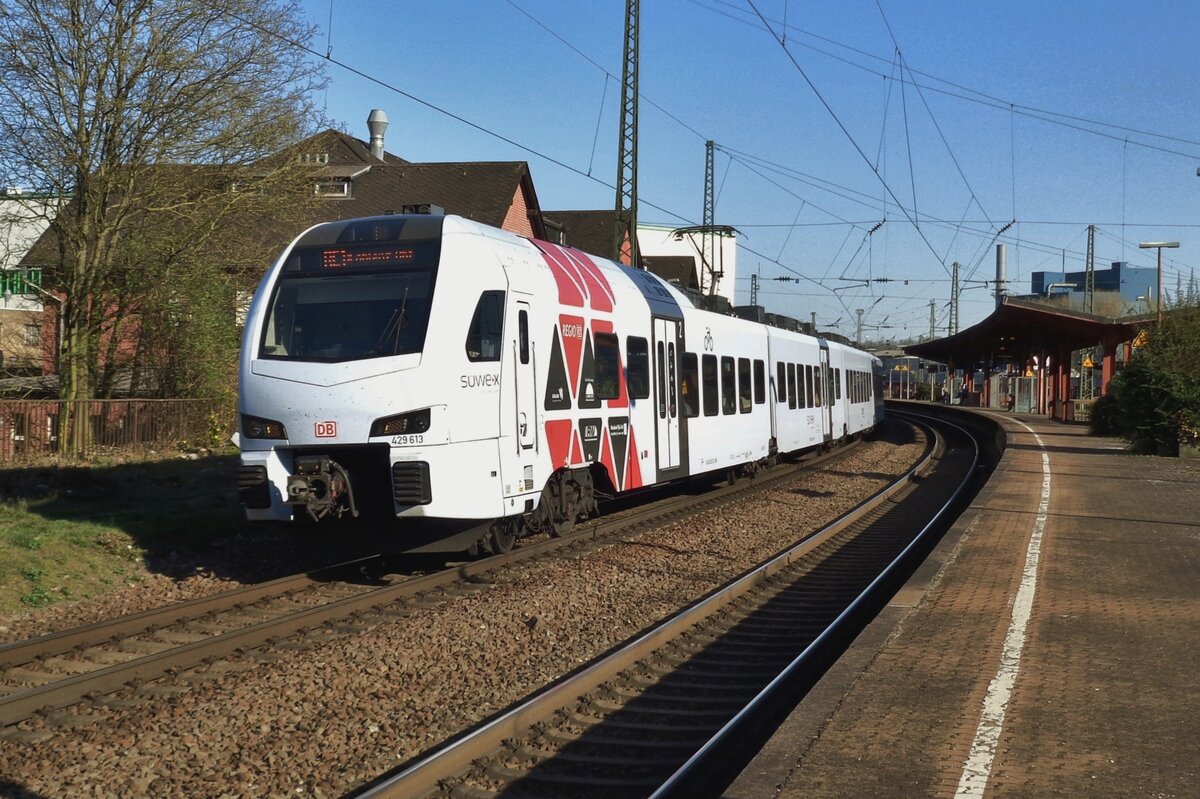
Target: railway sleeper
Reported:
point(651, 727)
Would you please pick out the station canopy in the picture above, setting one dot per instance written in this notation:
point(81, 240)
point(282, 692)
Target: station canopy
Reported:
point(1019, 328)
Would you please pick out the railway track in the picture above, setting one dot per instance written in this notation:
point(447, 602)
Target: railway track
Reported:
point(673, 712)
point(146, 655)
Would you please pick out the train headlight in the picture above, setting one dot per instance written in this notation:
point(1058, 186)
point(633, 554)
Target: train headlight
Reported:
point(402, 424)
point(254, 427)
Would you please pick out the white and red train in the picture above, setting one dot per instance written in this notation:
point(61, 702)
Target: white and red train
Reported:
point(429, 367)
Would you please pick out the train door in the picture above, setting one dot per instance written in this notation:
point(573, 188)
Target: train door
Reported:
point(525, 385)
point(828, 392)
point(666, 393)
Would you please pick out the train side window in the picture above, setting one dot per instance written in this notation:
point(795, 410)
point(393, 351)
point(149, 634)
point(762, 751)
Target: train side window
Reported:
point(660, 361)
point(712, 401)
point(818, 374)
point(837, 382)
point(781, 381)
point(728, 386)
point(745, 390)
point(689, 384)
point(760, 381)
point(672, 405)
point(637, 370)
point(608, 366)
point(487, 326)
point(791, 384)
point(808, 387)
point(523, 335)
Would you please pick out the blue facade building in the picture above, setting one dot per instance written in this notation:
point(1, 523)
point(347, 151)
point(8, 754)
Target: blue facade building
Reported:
point(1132, 283)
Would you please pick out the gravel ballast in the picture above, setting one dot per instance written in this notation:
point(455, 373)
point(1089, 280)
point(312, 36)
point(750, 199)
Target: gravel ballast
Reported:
point(321, 721)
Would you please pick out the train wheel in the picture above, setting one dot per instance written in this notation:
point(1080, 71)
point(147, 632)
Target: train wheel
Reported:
point(503, 535)
point(566, 497)
point(731, 475)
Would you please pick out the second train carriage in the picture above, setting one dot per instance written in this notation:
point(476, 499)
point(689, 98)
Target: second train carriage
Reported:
point(429, 367)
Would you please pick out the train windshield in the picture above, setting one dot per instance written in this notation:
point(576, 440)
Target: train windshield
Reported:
point(350, 303)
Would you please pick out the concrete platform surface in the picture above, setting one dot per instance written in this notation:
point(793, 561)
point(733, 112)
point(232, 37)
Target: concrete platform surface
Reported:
point(1050, 646)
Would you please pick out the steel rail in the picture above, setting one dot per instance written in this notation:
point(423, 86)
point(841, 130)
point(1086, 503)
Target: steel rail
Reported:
point(19, 705)
point(422, 777)
point(16, 653)
point(685, 781)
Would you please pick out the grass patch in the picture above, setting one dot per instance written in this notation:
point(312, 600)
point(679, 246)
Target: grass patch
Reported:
point(69, 533)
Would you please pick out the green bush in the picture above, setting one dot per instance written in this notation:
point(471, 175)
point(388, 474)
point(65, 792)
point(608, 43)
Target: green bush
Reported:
point(1154, 402)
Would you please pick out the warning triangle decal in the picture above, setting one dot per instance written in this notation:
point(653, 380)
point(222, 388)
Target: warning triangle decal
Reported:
point(558, 388)
point(634, 478)
point(618, 434)
point(588, 398)
point(589, 433)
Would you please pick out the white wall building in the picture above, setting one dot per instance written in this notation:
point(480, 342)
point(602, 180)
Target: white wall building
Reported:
point(659, 240)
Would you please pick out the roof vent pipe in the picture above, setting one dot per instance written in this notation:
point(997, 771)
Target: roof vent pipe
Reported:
point(1001, 274)
point(377, 123)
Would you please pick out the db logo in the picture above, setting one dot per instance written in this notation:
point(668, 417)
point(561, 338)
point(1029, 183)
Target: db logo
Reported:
point(325, 429)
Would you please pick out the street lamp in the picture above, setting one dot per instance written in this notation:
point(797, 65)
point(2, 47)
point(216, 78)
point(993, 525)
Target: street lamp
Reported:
point(1158, 245)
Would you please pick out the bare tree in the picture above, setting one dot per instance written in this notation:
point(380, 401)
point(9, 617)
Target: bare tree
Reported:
point(113, 107)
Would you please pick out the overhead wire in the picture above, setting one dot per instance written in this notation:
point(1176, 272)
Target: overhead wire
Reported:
point(841, 125)
point(982, 98)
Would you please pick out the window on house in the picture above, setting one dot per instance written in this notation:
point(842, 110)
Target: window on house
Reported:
point(332, 188)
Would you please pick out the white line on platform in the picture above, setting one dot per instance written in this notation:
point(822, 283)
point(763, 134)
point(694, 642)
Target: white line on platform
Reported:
point(978, 767)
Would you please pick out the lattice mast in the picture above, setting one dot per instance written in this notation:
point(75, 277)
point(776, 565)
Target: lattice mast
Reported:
point(626, 206)
point(954, 299)
point(708, 248)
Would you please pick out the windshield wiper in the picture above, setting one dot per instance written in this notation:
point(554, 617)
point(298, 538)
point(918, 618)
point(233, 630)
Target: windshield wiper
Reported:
point(391, 330)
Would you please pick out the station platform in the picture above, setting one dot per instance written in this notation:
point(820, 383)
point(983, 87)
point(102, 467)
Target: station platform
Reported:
point(1048, 647)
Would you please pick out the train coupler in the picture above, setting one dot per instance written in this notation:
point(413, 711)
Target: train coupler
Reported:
point(321, 486)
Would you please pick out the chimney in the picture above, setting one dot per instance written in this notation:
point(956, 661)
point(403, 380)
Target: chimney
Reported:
point(377, 123)
point(1001, 275)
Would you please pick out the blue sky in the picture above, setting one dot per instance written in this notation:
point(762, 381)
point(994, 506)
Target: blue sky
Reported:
point(963, 143)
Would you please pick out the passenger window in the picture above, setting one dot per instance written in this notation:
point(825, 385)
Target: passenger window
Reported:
point(791, 384)
point(837, 382)
point(817, 393)
point(661, 363)
point(487, 325)
point(689, 384)
point(712, 400)
point(808, 387)
point(760, 382)
point(745, 398)
point(637, 370)
point(672, 407)
point(523, 335)
point(781, 381)
point(728, 386)
point(608, 366)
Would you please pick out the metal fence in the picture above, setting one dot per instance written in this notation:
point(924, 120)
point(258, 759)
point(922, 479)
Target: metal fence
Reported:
point(29, 429)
